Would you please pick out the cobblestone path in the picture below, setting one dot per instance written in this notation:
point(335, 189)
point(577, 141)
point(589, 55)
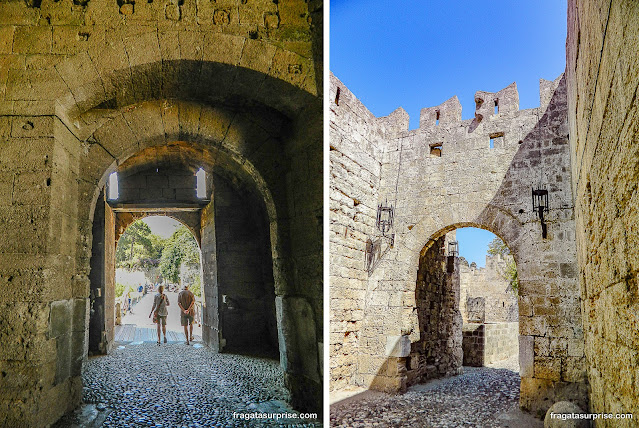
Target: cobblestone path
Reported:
point(176, 385)
point(481, 397)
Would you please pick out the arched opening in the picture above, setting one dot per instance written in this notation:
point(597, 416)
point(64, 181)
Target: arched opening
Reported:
point(466, 299)
point(155, 251)
point(229, 224)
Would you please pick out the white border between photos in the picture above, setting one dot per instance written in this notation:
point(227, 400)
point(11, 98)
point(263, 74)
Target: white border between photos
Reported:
point(326, 211)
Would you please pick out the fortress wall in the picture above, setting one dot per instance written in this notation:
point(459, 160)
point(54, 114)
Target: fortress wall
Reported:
point(500, 300)
point(355, 156)
point(603, 79)
point(446, 175)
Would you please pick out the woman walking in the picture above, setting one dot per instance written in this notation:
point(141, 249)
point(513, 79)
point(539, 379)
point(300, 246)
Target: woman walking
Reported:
point(160, 302)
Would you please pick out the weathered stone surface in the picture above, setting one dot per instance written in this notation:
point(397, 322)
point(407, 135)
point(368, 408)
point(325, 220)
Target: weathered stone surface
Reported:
point(450, 173)
point(488, 287)
point(602, 75)
point(86, 85)
point(554, 415)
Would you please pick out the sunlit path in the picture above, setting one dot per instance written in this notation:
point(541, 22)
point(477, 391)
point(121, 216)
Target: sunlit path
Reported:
point(137, 326)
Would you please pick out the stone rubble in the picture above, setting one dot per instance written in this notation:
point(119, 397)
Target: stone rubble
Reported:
point(183, 386)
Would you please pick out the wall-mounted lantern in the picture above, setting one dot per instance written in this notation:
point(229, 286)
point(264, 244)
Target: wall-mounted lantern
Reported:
point(385, 216)
point(453, 248)
point(540, 206)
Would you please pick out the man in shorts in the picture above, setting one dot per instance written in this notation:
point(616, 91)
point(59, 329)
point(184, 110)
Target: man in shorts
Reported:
point(186, 302)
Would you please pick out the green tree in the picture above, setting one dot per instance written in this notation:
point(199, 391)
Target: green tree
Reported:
point(135, 246)
point(499, 247)
point(179, 249)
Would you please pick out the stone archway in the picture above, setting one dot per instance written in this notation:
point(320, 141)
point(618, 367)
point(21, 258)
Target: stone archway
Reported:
point(100, 65)
point(108, 226)
point(439, 324)
point(263, 133)
point(230, 223)
point(435, 178)
point(222, 155)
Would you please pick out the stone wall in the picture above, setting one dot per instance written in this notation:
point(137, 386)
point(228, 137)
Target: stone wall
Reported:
point(488, 284)
point(84, 86)
point(439, 177)
point(439, 349)
point(487, 343)
point(502, 341)
point(473, 344)
point(602, 74)
point(170, 185)
point(355, 155)
point(244, 272)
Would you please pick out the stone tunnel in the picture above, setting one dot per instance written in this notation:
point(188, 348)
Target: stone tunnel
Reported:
point(154, 92)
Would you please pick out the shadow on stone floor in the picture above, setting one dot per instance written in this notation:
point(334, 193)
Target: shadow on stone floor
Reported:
point(175, 385)
point(479, 397)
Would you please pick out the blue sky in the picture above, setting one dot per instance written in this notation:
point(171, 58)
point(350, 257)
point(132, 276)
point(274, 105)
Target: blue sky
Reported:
point(473, 244)
point(417, 54)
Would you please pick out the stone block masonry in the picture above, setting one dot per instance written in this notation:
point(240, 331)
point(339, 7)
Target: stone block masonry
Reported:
point(487, 343)
point(439, 349)
point(232, 86)
point(603, 78)
point(437, 178)
point(485, 295)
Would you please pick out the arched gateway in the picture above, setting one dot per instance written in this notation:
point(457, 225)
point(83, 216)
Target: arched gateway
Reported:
point(139, 92)
point(447, 174)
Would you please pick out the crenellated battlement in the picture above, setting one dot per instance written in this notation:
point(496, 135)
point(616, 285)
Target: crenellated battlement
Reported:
point(448, 112)
point(501, 104)
point(493, 103)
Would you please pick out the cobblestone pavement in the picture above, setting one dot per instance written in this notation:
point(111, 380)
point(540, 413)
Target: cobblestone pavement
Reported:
point(480, 397)
point(177, 385)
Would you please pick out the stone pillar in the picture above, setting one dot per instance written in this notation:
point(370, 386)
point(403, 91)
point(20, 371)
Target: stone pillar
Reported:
point(298, 351)
point(43, 308)
point(211, 332)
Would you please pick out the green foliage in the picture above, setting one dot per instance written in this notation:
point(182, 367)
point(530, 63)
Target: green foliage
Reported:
point(510, 273)
point(119, 289)
point(138, 248)
point(499, 247)
point(157, 244)
point(179, 249)
point(196, 286)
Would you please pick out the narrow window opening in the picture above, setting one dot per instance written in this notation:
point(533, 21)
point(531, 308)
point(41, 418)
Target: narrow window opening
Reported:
point(337, 97)
point(200, 187)
point(496, 106)
point(436, 150)
point(437, 117)
point(496, 140)
point(113, 186)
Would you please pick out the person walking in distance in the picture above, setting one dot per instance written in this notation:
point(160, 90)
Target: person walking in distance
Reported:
point(159, 311)
point(186, 302)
